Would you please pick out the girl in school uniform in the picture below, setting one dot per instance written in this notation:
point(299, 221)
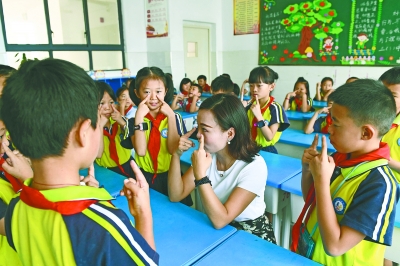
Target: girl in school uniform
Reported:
point(320, 124)
point(158, 127)
point(125, 104)
point(114, 156)
point(266, 117)
point(185, 86)
point(324, 89)
point(227, 170)
point(299, 99)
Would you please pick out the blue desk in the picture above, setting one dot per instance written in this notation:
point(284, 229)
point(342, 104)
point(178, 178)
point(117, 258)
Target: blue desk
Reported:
point(280, 169)
point(188, 118)
point(182, 234)
point(293, 142)
point(297, 119)
point(392, 252)
point(246, 249)
point(111, 181)
point(319, 104)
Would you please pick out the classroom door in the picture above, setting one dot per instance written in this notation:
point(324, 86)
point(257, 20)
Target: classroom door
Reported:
point(196, 52)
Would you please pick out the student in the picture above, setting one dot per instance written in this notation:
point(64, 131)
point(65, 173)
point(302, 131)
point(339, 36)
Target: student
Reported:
point(352, 194)
point(319, 124)
point(114, 157)
point(221, 84)
point(202, 81)
point(299, 99)
point(324, 89)
point(54, 220)
point(5, 72)
point(236, 89)
point(229, 174)
point(185, 86)
point(191, 103)
point(125, 104)
point(391, 79)
point(266, 117)
point(155, 145)
point(351, 79)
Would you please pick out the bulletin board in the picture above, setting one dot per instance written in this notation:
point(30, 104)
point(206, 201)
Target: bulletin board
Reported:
point(330, 32)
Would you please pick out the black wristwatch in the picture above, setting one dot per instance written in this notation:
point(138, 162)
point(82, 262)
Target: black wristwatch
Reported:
point(202, 181)
point(260, 124)
point(142, 127)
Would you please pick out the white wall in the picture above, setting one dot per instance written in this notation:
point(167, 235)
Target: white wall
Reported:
point(240, 56)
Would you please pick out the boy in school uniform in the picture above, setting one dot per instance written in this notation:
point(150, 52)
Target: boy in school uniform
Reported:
point(350, 197)
point(52, 207)
point(202, 80)
point(391, 79)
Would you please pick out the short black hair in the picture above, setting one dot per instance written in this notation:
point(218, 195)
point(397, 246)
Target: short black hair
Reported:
point(236, 89)
point(326, 79)
point(229, 112)
point(121, 90)
point(222, 84)
point(202, 77)
point(305, 82)
point(184, 81)
point(104, 87)
point(368, 102)
point(263, 74)
point(6, 71)
point(37, 107)
point(391, 77)
point(198, 87)
point(226, 75)
point(151, 73)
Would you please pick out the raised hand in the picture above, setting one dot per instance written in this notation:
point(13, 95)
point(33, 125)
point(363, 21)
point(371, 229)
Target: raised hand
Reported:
point(137, 192)
point(256, 108)
point(165, 108)
point(90, 179)
point(185, 143)
point(322, 165)
point(116, 115)
point(143, 109)
point(324, 110)
point(16, 164)
point(201, 160)
point(310, 153)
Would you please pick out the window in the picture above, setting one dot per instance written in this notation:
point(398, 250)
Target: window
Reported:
point(85, 32)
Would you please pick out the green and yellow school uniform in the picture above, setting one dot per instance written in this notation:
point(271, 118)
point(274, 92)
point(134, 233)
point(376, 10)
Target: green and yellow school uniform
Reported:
point(392, 138)
point(74, 225)
point(364, 201)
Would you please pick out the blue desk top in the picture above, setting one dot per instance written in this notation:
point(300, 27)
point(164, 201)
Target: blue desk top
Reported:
point(246, 249)
point(111, 181)
point(208, 95)
point(186, 115)
point(280, 167)
point(299, 138)
point(293, 185)
point(295, 115)
point(319, 104)
point(182, 234)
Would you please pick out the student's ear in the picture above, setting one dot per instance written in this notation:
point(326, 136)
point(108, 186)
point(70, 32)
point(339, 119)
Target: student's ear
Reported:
point(82, 132)
point(272, 86)
point(368, 132)
point(231, 133)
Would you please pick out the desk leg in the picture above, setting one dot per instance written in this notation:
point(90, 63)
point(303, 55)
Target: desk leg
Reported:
point(286, 219)
point(276, 223)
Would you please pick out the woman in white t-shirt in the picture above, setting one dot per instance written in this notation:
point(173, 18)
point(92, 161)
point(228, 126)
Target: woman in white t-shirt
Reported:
point(226, 169)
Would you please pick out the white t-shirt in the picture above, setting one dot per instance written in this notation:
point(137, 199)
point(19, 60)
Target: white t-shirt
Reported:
point(249, 176)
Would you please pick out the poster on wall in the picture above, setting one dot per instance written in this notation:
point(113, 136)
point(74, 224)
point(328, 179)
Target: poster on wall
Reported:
point(246, 15)
point(330, 32)
point(157, 18)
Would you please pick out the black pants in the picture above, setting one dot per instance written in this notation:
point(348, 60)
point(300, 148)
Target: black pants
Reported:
point(160, 184)
point(127, 168)
point(270, 149)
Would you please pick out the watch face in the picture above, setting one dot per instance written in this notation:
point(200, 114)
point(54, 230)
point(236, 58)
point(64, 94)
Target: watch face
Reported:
point(260, 123)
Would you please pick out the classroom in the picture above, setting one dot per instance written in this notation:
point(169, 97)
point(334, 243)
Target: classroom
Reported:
point(177, 222)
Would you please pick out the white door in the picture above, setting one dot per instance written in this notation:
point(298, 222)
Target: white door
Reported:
point(197, 52)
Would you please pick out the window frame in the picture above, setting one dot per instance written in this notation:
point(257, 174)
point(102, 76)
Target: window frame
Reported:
point(50, 47)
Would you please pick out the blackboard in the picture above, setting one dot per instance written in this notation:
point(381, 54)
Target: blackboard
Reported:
point(330, 32)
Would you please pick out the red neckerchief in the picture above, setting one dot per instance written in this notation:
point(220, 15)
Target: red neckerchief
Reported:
point(188, 104)
point(341, 159)
point(35, 199)
point(308, 205)
point(394, 126)
point(254, 128)
point(129, 108)
point(16, 183)
point(299, 103)
point(206, 88)
point(154, 142)
point(185, 93)
point(328, 120)
point(113, 146)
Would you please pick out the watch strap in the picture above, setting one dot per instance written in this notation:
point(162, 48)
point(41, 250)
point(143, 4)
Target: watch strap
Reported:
point(202, 181)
